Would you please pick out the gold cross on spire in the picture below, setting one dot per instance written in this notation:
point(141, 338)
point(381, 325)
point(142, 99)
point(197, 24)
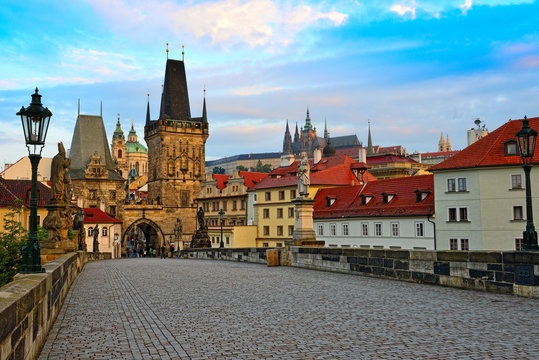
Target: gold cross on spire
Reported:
point(167, 51)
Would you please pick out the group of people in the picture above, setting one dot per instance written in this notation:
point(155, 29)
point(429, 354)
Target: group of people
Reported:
point(143, 252)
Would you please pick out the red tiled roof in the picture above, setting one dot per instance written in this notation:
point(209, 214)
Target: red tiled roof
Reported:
point(489, 151)
point(352, 152)
point(334, 170)
point(251, 178)
point(96, 216)
point(380, 159)
point(348, 201)
point(438, 154)
point(11, 190)
point(221, 180)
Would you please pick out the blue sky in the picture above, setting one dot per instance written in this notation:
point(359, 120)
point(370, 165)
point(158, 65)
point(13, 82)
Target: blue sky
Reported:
point(413, 68)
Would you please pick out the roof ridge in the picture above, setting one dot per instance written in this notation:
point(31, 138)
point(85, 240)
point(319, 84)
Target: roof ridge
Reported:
point(501, 131)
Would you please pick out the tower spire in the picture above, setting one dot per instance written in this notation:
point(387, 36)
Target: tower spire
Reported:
point(167, 51)
point(325, 128)
point(204, 114)
point(287, 142)
point(148, 110)
point(296, 134)
point(370, 149)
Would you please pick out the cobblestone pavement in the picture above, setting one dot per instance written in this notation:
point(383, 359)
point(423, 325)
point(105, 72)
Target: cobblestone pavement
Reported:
point(196, 309)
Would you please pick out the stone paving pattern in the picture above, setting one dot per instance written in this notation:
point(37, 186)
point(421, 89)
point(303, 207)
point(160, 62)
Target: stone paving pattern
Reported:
point(197, 309)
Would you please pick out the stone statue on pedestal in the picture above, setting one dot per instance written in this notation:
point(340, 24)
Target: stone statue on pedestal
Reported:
point(304, 176)
point(96, 241)
point(178, 229)
point(58, 219)
point(201, 238)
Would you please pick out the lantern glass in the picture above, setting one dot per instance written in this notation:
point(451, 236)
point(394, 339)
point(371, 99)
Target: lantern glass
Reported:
point(35, 121)
point(526, 139)
point(81, 216)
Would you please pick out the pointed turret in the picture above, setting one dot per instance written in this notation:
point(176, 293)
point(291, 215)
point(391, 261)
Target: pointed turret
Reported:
point(325, 129)
point(296, 134)
point(287, 142)
point(441, 144)
point(308, 126)
point(448, 144)
point(370, 149)
point(148, 112)
point(175, 99)
point(132, 137)
point(204, 114)
point(329, 150)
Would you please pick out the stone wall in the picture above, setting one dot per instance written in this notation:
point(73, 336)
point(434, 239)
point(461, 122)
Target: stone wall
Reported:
point(493, 271)
point(252, 255)
point(29, 305)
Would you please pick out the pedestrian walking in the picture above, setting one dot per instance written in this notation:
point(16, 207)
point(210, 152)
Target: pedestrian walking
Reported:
point(163, 251)
point(172, 250)
point(151, 252)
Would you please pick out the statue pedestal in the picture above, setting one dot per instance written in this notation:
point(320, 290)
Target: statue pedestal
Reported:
point(57, 222)
point(304, 234)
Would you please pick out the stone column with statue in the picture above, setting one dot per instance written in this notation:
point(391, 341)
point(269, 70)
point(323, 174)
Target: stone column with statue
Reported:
point(304, 234)
point(59, 210)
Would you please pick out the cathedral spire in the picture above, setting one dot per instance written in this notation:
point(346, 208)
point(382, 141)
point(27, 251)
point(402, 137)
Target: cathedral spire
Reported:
point(308, 126)
point(325, 129)
point(296, 134)
point(204, 114)
point(287, 142)
point(370, 149)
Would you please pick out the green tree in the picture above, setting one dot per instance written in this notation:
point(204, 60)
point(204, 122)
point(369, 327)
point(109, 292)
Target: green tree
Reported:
point(218, 170)
point(12, 238)
point(241, 168)
point(266, 168)
point(42, 233)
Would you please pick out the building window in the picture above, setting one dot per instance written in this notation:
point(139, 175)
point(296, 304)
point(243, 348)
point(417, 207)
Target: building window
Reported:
point(184, 198)
point(279, 230)
point(365, 229)
point(290, 230)
point(281, 195)
point(464, 244)
point(462, 184)
point(234, 205)
point(266, 230)
point(291, 212)
point(332, 230)
point(119, 154)
point(451, 185)
point(243, 204)
point(293, 194)
point(112, 194)
point(104, 231)
point(265, 244)
point(463, 214)
point(517, 213)
point(268, 196)
point(279, 245)
point(518, 244)
point(345, 229)
point(90, 231)
point(227, 240)
point(208, 190)
point(378, 229)
point(419, 230)
point(93, 194)
point(394, 229)
point(453, 244)
point(452, 214)
point(224, 205)
point(265, 213)
point(516, 181)
point(510, 148)
point(112, 210)
point(279, 213)
point(320, 229)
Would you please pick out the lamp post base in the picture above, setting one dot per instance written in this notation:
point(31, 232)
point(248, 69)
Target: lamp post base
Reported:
point(31, 259)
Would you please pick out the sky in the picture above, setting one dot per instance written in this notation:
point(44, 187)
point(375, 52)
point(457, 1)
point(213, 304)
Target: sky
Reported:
point(412, 68)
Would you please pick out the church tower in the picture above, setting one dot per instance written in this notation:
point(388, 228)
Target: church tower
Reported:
point(176, 149)
point(287, 142)
point(308, 135)
point(118, 149)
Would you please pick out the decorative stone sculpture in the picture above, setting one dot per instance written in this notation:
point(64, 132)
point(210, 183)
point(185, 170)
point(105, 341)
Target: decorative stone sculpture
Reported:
point(201, 238)
point(178, 229)
point(96, 241)
point(304, 176)
point(59, 216)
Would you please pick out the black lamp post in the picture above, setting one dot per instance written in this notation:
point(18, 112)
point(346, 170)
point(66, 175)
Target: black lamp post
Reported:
point(221, 218)
point(81, 227)
point(35, 123)
point(526, 138)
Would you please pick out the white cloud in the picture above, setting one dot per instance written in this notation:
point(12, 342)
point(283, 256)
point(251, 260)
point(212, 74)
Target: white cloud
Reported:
point(403, 10)
point(466, 6)
point(225, 23)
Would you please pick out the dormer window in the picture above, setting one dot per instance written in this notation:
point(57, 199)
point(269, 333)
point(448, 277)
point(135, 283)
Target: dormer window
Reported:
point(510, 148)
point(330, 200)
point(420, 195)
point(387, 197)
point(365, 199)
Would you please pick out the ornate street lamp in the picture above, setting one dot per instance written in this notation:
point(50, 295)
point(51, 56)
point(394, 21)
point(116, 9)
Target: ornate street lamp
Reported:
point(222, 218)
point(35, 123)
point(526, 138)
point(81, 227)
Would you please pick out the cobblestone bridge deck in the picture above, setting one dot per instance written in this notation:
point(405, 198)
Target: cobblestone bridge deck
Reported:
point(195, 309)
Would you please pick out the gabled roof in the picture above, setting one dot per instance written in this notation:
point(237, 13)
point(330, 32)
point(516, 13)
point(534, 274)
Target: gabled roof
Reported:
point(348, 201)
point(334, 170)
point(90, 137)
point(96, 216)
point(13, 190)
point(221, 180)
point(250, 178)
point(489, 151)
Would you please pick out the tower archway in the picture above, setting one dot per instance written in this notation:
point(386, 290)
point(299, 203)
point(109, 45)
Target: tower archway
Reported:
point(151, 236)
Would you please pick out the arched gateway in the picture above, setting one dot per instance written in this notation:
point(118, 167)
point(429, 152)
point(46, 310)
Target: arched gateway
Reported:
point(153, 234)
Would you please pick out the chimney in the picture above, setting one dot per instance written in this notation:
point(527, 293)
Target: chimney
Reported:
point(317, 156)
point(287, 160)
point(416, 157)
point(362, 155)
